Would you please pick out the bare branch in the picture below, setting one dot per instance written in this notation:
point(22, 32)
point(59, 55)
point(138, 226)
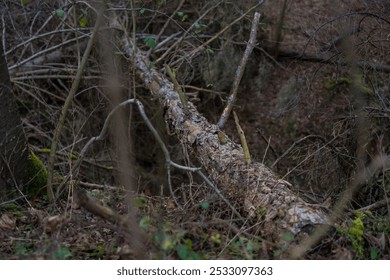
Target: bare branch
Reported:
point(201, 47)
point(240, 71)
point(68, 101)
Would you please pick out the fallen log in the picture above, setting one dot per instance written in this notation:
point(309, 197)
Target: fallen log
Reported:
point(261, 193)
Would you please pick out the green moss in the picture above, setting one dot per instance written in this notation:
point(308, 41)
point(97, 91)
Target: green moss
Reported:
point(365, 90)
point(355, 233)
point(12, 208)
point(357, 81)
point(72, 156)
point(45, 150)
point(37, 174)
point(333, 83)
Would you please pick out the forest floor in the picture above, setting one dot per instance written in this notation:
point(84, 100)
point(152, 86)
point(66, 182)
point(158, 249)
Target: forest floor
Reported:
point(309, 106)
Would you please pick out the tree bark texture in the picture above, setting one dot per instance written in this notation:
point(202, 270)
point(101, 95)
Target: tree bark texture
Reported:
point(13, 143)
point(255, 187)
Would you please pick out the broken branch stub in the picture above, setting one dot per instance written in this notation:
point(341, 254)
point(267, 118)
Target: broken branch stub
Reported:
point(254, 186)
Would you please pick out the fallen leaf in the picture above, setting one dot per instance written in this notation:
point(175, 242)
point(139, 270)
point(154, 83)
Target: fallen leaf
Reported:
point(7, 223)
point(51, 223)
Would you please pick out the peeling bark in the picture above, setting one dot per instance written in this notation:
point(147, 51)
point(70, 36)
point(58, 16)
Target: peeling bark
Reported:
point(261, 193)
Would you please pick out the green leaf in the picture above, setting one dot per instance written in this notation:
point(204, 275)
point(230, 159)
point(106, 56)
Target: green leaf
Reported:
point(186, 253)
point(62, 253)
point(216, 238)
point(205, 205)
point(140, 201)
point(159, 237)
point(59, 12)
point(277, 253)
point(160, 3)
point(83, 22)
point(150, 65)
point(250, 246)
point(144, 223)
point(288, 236)
point(182, 15)
point(188, 243)
point(25, 2)
point(198, 27)
point(210, 51)
point(142, 11)
point(20, 249)
point(164, 240)
point(167, 243)
point(374, 253)
point(150, 42)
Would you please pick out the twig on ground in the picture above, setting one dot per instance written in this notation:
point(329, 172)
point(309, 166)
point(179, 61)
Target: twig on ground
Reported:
point(106, 213)
point(379, 204)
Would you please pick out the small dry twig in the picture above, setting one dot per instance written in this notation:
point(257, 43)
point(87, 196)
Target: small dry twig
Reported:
point(292, 147)
point(244, 144)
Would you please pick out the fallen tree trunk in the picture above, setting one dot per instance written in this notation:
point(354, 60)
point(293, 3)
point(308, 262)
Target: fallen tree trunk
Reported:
point(254, 186)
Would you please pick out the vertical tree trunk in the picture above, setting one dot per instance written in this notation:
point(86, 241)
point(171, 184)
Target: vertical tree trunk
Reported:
point(13, 142)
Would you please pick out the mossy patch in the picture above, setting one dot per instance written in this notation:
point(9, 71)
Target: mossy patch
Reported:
point(37, 174)
point(333, 84)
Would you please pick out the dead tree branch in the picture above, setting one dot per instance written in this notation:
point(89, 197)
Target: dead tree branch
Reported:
point(240, 71)
point(261, 193)
point(122, 223)
point(331, 60)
